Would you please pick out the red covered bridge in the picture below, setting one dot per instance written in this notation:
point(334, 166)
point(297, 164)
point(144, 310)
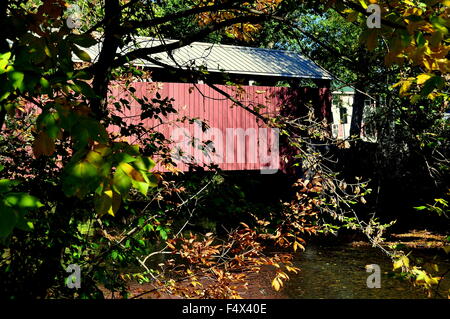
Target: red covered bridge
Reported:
point(237, 139)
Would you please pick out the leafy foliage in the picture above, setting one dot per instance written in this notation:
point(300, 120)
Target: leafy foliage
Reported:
point(76, 192)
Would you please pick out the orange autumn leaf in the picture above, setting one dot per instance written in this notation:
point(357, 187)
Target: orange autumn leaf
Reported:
point(43, 145)
point(372, 40)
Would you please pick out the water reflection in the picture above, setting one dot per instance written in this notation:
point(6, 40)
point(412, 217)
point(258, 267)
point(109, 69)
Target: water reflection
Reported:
point(338, 272)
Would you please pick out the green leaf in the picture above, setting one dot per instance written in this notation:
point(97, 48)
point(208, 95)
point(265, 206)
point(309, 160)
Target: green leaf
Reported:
point(24, 225)
point(153, 181)
point(163, 233)
point(16, 79)
point(83, 75)
point(80, 178)
point(144, 163)
point(420, 40)
point(49, 123)
point(84, 40)
point(123, 158)
point(3, 64)
point(142, 187)
point(121, 180)
point(8, 220)
point(94, 158)
point(21, 200)
point(83, 55)
point(44, 83)
point(88, 129)
point(6, 185)
point(83, 88)
point(435, 82)
point(5, 56)
point(439, 24)
point(83, 171)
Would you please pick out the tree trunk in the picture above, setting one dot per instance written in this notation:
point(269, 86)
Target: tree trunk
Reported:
point(107, 55)
point(358, 110)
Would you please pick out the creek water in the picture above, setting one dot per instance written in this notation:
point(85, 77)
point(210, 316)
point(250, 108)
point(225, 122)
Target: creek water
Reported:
point(339, 272)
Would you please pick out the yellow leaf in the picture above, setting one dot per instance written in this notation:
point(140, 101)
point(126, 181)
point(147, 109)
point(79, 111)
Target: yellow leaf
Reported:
point(405, 87)
point(196, 283)
point(421, 277)
point(397, 264)
point(127, 168)
point(298, 245)
point(276, 284)
point(363, 4)
point(108, 203)
point(435, 267)
point(405, 261)
point(396, 84)
point(293, 269)
point(283, 275)
point(94, 158)
point(401, 262)
point(432, 280)
point(422, 78)
point(131, 172)
point(427, 64)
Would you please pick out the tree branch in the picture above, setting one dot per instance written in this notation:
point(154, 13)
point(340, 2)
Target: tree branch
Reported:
point(132, 25)
point(143, 53)
point(3, 46)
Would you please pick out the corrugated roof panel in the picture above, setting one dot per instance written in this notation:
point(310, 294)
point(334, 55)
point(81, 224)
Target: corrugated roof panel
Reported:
point(229, 59)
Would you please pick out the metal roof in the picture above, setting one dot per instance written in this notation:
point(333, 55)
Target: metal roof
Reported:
point(229, 59)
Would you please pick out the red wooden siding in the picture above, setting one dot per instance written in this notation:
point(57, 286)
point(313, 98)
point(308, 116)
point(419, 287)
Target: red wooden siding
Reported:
point(203, 102)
